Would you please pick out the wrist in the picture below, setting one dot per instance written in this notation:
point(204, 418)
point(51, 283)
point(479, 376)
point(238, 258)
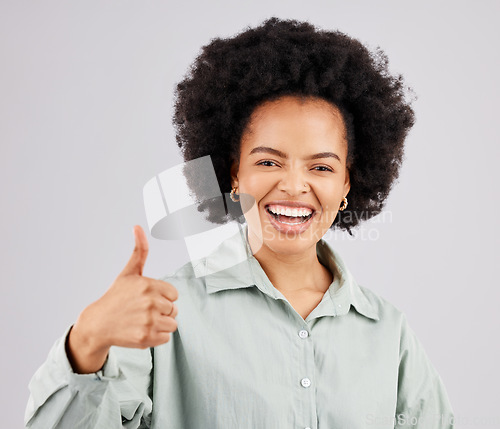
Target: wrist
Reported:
point(86, 351)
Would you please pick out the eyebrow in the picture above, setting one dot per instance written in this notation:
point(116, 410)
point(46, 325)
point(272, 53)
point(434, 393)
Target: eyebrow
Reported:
point(266, 149)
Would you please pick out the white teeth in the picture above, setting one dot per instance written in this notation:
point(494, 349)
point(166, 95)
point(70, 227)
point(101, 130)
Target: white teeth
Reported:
point(293, 223)
point(287, 211)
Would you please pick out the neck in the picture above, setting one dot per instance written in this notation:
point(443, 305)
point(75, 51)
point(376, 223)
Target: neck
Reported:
point(293, 273)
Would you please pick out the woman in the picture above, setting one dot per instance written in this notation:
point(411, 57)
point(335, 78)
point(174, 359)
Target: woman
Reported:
point(305, 129)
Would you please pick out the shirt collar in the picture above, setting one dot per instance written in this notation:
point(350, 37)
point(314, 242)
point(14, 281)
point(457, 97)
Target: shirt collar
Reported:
point(233, 266)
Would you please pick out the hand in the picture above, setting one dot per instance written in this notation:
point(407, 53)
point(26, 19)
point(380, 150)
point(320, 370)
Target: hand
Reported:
point(136, 312)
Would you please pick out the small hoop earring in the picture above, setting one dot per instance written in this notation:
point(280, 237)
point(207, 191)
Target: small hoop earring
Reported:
point(233, 193)
point(343, 205)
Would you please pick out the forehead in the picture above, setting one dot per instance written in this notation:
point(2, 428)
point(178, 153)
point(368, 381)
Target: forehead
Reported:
point(303, 101)
point(293, 122)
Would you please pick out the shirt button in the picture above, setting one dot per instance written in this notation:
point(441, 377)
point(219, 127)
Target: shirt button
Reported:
point(305, 382)
point(303, 334)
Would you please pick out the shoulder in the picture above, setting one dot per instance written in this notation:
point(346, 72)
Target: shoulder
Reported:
point(390, 314)
point(387, 312)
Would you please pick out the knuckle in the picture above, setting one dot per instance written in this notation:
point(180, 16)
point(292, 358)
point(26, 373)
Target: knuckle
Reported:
point(148, 321)
point(175, 294)
point(175, 311)
point(138, 252)
point(143, 338)
point(149, 304)
point(172, 292)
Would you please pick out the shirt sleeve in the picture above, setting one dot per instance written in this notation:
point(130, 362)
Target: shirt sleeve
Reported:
point(422, 399)
point(117, 396)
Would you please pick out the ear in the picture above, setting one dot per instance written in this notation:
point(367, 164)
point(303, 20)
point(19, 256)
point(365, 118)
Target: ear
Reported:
point(234, 174)
point(347, 182)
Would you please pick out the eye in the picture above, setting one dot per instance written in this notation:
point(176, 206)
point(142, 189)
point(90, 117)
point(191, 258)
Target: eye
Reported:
point(267, 163)
point(322, 168)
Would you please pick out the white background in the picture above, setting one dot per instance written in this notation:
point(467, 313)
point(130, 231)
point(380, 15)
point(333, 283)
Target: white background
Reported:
point(86, 93)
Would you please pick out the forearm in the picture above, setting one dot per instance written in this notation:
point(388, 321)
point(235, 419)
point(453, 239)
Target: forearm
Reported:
point(105, 399)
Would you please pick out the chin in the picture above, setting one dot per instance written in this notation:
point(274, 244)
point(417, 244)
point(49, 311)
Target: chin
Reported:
point(290, 241)
point(289, 247)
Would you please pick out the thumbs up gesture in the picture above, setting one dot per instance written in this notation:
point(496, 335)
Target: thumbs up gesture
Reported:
point(136, 312)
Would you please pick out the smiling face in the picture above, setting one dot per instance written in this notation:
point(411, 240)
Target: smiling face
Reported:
point(292, 173)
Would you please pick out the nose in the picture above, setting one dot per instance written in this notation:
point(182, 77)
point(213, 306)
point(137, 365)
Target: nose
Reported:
point(293, 182)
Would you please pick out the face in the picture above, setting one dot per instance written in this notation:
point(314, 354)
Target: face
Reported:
point(292, 173)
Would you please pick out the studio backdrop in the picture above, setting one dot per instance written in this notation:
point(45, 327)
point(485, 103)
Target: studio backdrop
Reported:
point(86, 101)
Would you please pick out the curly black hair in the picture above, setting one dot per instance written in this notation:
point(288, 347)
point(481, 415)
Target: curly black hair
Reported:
point(231, 77)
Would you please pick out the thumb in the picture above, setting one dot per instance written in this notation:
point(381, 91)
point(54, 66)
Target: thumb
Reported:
point(136, 262)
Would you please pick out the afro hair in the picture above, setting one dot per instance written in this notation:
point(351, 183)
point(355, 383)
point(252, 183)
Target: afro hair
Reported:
point(233, 76)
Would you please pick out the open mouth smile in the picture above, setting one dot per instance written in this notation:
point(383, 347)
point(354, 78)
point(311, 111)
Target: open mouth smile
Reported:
point(286, 218)
point(289, 215)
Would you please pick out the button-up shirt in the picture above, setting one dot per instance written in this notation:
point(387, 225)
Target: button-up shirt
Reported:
point(242, 357)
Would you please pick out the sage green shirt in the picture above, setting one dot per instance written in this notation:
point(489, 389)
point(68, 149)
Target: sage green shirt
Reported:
point(242, 357)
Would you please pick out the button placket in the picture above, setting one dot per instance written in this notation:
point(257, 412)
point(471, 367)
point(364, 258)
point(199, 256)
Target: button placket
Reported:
point(308, 401)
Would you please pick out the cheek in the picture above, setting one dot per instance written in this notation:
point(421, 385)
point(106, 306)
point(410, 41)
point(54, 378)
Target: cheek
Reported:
point(252, 188)
point(255, 184)
point(330, 197)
